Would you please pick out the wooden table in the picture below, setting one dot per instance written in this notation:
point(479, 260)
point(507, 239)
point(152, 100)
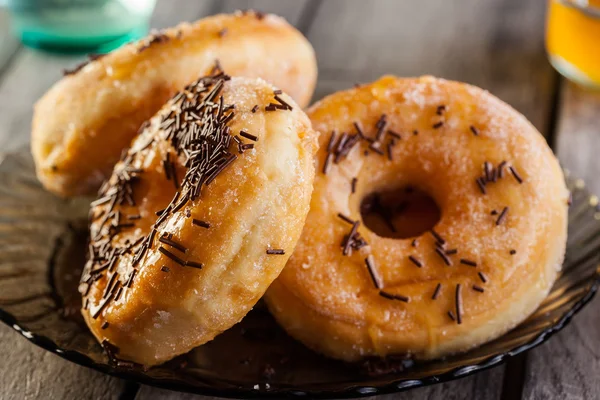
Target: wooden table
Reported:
point(495, 44)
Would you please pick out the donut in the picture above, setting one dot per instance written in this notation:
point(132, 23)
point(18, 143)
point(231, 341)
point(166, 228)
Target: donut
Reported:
point(81, 125)
point(485, 266)
point(197, 219)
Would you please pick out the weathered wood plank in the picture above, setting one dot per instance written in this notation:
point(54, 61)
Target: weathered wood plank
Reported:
point(290, 10)
point(568, 366)
point(495, 44)
point(9, 45)
point(28, 372)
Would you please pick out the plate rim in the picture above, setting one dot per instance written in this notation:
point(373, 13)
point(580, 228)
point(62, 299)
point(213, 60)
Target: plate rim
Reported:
point(395, 386)
point(350, 391)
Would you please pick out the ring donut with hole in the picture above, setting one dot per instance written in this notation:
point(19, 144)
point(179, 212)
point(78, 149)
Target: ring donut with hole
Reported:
point(197, 219)
point(482, 269)
point(81, 125)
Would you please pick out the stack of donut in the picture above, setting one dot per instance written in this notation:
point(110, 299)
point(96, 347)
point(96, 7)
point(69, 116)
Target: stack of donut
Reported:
point(212, 179)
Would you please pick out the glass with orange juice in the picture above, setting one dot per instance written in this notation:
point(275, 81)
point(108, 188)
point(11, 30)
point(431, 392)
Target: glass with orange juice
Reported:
point(573, 39)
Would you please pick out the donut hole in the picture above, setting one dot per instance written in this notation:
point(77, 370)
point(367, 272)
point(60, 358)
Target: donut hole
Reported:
point(400, 213)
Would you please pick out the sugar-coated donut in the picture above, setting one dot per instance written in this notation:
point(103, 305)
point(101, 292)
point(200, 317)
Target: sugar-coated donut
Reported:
point(81, 125)
point(198, 218)
point(486, 265)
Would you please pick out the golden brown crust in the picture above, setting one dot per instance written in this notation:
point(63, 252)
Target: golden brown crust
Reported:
point(259, 201)
point(329, 302)
point(84, 121)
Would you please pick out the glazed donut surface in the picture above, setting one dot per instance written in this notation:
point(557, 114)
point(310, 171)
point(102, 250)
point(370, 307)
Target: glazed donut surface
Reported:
point(198, 218)
point(81, 125)
point(486, 265)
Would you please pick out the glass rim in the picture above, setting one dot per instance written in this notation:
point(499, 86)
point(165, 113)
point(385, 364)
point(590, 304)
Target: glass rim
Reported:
point(587, 9)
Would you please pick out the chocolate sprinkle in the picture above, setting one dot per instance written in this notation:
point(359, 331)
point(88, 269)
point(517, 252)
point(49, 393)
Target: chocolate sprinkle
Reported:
point(415, 261)
point(171, 256)
point(451, 315)
point(478, 289)
point(345, 218)
point(164, 268)
point(353, 184)
point(451, 252)
point(248, 136)
point(104, 325)
point(481, 185)
point(513, 171)
point(502, 216)
point(437, 236)
point(276, 251)
point(255, 108)
point(459, 305)
point(173, 244)
point(482, 276)
point(512, 252)
point(438, 125)
point(201, 223)
point(468, 262)
point(436, 292)
point(501, 169)
point(474, 130)
point(194, 264)
point(443, 256)
point(390, 296)
point(370, 262)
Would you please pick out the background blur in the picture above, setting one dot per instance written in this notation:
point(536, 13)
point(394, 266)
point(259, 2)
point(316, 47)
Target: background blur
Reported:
point(496, 44)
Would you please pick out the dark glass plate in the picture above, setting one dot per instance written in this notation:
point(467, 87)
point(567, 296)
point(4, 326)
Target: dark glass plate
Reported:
point(42, 242)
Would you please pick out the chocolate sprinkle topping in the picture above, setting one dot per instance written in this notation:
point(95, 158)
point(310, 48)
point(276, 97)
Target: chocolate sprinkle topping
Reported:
point(194, 264)
point(482, 276)
point(451, 315)
point(171, 256)
point(438, 125)
point(248, 136)
point(436, 292)
point(276, 251)
point(478, 289)
point(164, 268)
point(513, 171)
point(415, 261)
point(459, 305)
point(512, 252)
point(255, 108)
point(474, 130)
point(353, 184)
point(346, 219)
point(390, 296)
point(481, 185)
point(468, 262)
point(201, 223)
point(370, 262)
point(443, 256)
point(502, 216)
point(104, 325)
point(437, 237)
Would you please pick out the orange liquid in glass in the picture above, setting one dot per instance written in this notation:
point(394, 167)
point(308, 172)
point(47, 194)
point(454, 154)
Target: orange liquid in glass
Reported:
point(574, 37)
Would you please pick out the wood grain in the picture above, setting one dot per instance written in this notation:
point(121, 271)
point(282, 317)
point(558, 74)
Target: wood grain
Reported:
point(29, 372)
point(568, 366)
point(26, 371)
point(9, 45)
point(497, 45)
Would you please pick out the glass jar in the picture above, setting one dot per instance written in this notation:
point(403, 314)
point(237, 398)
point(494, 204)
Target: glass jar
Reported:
point(79, 25)
point(573, 39)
